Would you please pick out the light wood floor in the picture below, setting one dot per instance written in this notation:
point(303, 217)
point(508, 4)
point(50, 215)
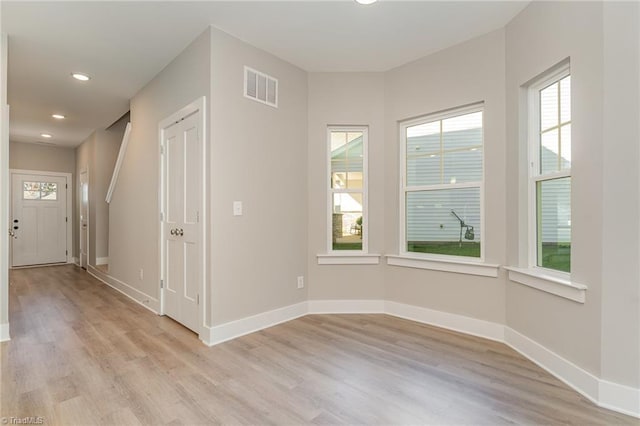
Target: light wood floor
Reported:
point(84, 354)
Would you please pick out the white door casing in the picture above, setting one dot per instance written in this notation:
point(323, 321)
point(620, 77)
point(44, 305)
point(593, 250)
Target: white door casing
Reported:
point(84, 219)
point(182, 218)
point(40, 218)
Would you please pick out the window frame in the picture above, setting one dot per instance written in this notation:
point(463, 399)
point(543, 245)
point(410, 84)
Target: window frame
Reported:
point(534, 175)
point(403, 125)
point(364, 191)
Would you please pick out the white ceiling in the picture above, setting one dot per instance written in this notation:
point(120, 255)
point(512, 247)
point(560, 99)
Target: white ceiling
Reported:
point(122, 45)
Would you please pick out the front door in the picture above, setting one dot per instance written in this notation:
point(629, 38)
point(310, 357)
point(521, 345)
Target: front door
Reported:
point(181, 227)
point(39, 219)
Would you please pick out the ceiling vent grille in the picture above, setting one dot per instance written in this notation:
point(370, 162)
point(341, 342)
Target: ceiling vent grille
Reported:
point(260, 87)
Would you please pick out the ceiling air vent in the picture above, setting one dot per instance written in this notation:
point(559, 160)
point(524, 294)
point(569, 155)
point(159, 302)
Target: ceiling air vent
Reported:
point(260, 87)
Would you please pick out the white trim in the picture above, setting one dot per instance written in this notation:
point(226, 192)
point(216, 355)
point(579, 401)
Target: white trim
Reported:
point(102, 261)
point(198, 106)
point(364, 190)
point(573, 376)
point(233, 329)
point(365, 306)
point(75, 261)
point(461, 266)
point(149, 302)
point(116, 170)
point(404, 189)
point(460, 323)
point(84, 169)
point(68, 207)
point(620, 398)
point(348, 259)
point(5, 336)
point(548, 282)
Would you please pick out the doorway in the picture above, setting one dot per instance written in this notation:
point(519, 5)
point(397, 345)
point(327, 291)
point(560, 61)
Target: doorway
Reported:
point(84, 219)
point(182, 156)
point(40, 217)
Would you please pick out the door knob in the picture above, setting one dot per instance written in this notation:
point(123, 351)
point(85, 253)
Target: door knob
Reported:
point(173, 231)
point(180, 232)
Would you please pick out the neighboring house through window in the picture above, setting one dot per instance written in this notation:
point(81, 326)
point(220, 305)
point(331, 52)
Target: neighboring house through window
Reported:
point(347, 195)
point(442, 184)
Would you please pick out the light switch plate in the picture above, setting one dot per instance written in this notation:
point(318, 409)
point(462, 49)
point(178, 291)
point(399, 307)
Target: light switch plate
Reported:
point(237, 208)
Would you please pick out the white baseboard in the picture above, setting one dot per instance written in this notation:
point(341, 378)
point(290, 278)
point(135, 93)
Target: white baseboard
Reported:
point(151, 303)
point(616, 397)
point(4, 332)
point(569, 373)
point(231, 330)
point(473, 326)
point(102, 260)
point(75, 261)
point(363, 306)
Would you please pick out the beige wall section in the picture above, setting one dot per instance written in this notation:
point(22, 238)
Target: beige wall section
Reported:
point(134, 209)
point(28, 156)
point(541, 36)
point(85, 155)
point(461, 75)
point(345, 99)
point(258, 156)
point(621, 198)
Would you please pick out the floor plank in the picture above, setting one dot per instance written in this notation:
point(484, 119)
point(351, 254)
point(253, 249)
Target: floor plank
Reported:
point(82, 353)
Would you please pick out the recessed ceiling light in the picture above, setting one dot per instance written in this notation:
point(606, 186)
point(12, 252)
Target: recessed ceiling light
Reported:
point(365, 1)
point(46, 135)
point(58, 116)
point(80, 76)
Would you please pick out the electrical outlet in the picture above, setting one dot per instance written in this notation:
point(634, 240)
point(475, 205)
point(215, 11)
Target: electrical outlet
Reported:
point(141, 274)
point(300, 282)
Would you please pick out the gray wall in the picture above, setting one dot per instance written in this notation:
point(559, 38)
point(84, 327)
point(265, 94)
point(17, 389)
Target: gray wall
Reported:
point(29, 156)
point(345, 99)
point(464, 74)
point(134, 208)
point(257, 157)
point(541, 36)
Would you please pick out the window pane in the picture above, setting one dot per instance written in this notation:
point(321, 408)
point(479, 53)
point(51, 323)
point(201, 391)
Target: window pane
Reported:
point(549, 107)
point(554, 224)
point(423, 169)
point(432, 226)
point(463, 166)
point(565, 99)
point(565, 146)
point(347, 159)
point(30, 190)
point(424, 138)
point(549, 153)
point(49, 191)
point(462, 131)
point(347, 222)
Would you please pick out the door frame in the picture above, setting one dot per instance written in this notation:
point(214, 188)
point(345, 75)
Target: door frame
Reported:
point(85, 169)
point(69, 213)
point(198, 107)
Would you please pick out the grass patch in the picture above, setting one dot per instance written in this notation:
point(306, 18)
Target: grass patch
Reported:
point(454, 248)
point(556, 256)
point(347, 246)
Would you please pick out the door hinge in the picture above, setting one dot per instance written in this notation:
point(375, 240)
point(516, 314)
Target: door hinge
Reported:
point(161, 283)
point(197, 299)
point(66, 219)
point(161, 149)
point(66, 252)
point(66, 186)
point(161, 216)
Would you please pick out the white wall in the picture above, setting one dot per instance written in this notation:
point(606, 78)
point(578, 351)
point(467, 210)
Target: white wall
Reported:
point(134, 209)
point(541, 36)
point(344, 99)
point(464, 74)
point(258, 157)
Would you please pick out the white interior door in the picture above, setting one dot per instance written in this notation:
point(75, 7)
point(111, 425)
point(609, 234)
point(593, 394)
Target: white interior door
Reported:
point(84, 219)
point(181, 227)
point(39, 219)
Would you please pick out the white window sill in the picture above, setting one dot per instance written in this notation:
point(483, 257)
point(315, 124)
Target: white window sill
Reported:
point(446, 265)
point(549, 283)
point(348, 259)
